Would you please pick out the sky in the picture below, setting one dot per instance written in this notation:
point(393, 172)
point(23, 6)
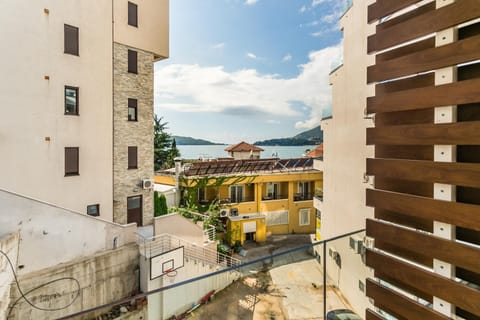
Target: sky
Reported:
point(248, 70)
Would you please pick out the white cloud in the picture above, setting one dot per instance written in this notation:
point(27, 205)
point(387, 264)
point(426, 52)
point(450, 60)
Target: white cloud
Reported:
point(318, 2)
point(287, 57)
point(324, 31)
point(303, 9)
point(250, 2)
point(193, 88)
point(251, 55)
point(271, 121)
point(220, 45)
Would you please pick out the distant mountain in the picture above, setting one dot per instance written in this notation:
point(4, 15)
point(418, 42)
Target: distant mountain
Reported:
point(192, 141)
point(311, 137)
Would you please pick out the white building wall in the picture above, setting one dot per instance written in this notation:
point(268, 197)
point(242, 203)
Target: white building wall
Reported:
point(51, 235)
point(34, 129)
point(343, 209)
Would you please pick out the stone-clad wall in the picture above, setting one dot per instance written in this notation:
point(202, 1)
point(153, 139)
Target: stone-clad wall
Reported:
point(127, 182)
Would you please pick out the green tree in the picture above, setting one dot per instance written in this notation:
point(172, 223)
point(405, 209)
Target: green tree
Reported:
point(163, 208)
point(156, 204)
point(164, 147)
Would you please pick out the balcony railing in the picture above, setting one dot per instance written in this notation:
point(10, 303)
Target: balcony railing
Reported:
point(270, 197)
point(302, 196)
point(237, 200)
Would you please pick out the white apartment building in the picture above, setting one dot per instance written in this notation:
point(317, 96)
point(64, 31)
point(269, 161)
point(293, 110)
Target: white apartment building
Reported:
point(77, 102)
point(342, 208)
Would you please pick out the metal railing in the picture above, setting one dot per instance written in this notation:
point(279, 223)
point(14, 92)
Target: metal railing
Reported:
point(166, 242)
point(269, 197)
point(303, 196)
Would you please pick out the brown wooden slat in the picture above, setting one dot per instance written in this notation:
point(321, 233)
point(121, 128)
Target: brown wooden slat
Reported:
point(448, 55)
point(383, 8)
point(401, 285)
point(408, 253)
point(456, 213)
point(426, 281)
point(403, 51)
point(372, 315)
point(466, 133)
point(406, 16)
point(456, 253)
point(468, 235)
point(419, 81)
point(404, 152)
point(417, 188)
point(462, 174)
point(469, 31)
point(410, 117)
point(406, 220)
point(399, 305)
point(424, 24)
point(449, 94)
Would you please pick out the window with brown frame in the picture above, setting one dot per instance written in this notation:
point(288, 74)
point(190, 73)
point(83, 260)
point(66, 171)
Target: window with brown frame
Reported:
point(132, 109)
point(132, 14)
point(132, 61)
point(132, 158)
point(70, 39)
point(71, 161)
point(71, 100)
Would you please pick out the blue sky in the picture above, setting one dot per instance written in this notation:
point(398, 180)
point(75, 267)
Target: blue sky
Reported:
point(247, 69)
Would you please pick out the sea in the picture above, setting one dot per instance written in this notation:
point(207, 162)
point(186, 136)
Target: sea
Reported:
point(218, 151)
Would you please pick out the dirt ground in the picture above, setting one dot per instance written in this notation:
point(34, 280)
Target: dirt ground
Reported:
point(252, 297)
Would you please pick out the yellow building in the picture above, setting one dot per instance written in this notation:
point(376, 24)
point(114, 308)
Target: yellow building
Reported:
point(258, 197)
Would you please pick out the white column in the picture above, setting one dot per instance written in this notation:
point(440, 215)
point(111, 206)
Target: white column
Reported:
point(444, 153)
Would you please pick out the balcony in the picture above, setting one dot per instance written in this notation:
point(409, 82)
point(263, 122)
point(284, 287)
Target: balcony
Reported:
point(238, 200)
point(273, 197)
point(302, 197)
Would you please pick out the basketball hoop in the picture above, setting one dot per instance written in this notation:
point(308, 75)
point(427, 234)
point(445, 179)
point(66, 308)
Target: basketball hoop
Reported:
point(171, 274)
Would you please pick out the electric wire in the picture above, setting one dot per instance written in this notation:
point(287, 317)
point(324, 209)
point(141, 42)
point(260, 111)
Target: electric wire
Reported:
point(23, 295)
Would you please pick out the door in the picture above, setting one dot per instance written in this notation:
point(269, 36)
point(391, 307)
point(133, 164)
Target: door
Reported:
point(134, 210)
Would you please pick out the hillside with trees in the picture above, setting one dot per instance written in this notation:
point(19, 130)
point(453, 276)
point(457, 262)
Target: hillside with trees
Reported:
point(310, 137)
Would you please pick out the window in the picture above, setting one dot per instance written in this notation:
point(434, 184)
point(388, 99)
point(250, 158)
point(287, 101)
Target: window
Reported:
point(132, 14)
point(132, 61)
point(202, 194)
point(70, 37)
point(273, 191)
point(132, 109)
point(236, 193)
point(132, 158)
point(93, 210)
point(71, 161)
point(275, 218)
point(304, 217)
point(71, 100)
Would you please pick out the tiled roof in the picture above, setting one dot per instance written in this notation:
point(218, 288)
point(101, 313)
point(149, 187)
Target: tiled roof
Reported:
point(243, 146)
point(250, 166)
point(317, 152)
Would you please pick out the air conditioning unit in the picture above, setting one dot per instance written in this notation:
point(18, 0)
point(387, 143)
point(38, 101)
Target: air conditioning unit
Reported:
point(332, 253)
point(356, 244)
point(224, 212)
point(147, 183)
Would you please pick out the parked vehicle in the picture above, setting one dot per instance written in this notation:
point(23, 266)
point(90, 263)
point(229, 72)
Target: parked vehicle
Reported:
point(342, 314)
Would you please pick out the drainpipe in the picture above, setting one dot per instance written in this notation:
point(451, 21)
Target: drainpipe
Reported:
point(178, 171)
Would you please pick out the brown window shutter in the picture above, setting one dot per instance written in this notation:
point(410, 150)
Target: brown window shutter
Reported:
point(132, 157)
point(132, 14)
point(71, 40)
point(71, 161)
point(132, 61)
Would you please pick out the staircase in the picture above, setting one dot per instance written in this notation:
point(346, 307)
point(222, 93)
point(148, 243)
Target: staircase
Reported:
point(165, 242)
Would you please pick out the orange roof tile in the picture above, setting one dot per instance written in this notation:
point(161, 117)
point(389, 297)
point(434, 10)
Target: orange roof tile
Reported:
point(243, 146)
point(317, 152)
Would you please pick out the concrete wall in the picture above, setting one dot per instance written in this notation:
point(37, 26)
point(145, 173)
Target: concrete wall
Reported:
point(103, 278)
point(34, 129)
point(343, 209)
point(127, 182)
point(9, 246)
point(50, 235)
point(152, 33)
point(180, 227)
